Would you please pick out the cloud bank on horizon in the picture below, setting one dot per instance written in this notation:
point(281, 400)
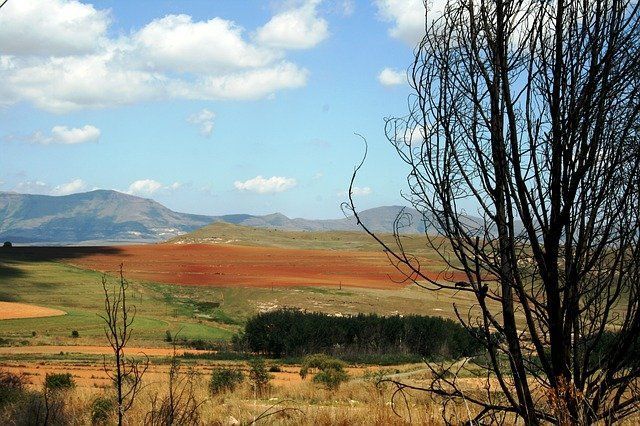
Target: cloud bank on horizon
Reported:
point(98, 80)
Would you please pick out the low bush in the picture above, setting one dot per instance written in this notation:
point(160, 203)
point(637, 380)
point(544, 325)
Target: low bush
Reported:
point(274, 368)
point(225, 380)
point(331, 378)
point(258, 375)
point(59, 381)
point(102, 410)
point(12, 387)
point(330, 371)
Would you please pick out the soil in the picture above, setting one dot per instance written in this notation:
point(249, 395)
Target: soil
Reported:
point(228, 266)
point(12, 310)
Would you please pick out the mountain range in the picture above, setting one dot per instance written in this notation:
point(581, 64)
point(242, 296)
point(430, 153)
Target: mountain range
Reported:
point(109, 217)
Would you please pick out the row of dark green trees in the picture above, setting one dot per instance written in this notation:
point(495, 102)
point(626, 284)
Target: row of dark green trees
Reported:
point(289, 332)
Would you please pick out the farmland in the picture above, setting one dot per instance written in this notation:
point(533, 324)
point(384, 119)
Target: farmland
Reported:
point(207, 292)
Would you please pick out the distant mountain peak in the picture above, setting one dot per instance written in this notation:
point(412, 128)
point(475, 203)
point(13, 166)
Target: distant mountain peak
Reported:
point(107, 216)
point(96, 216)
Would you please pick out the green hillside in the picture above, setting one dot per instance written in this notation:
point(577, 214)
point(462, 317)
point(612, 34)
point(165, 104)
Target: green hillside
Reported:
point(226, 233)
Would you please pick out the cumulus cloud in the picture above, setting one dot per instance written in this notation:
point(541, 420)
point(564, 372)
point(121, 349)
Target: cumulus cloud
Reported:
point(263, 185)
point(391, 77)
point(144, 187)
point(204, 120)
point(58, 56)
point(72, 187)
point(147, 187)
point(74, 135)
point(51, 27)
point(296, 28)
point(176, 43)
point(407, 18)
point(61, 135)
point(247, 85)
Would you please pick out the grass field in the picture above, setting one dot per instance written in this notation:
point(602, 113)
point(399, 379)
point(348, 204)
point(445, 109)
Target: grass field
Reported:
point(209, 313)
point(69, 280)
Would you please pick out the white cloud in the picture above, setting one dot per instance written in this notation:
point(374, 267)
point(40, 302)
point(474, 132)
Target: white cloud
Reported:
point(347, 7)
point(148, 187)
point(247, 85)
point(51, 27)
point(69, 83)
point(60, 58)
point(296, 28)
point(266, 186)
point(391, 77)
point(407, 17)
point(61, 135)
point(74, 186)
point(66, 135)
point(144, 187)
point(176, 43)
point(32, 187)
point(357, 192)
point(204, 119)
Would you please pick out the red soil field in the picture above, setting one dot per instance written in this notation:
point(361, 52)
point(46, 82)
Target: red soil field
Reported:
point(229, 265)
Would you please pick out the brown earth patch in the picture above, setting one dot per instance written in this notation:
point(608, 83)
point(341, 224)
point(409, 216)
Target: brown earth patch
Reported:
point(229, 266)
point(12, 310)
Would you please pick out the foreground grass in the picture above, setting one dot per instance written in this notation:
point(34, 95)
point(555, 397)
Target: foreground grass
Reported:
point(360, 401)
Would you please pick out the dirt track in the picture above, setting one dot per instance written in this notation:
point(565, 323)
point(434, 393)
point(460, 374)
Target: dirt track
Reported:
point(11, 310)
point(228, 265)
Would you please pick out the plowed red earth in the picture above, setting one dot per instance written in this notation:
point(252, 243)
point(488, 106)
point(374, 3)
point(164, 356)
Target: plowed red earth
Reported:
point(228, 265)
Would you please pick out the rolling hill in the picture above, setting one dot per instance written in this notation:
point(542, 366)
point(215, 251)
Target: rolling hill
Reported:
point(378, 219)
point(92, 217)
point(104, 217)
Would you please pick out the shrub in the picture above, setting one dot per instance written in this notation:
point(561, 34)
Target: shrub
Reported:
point(258, 375)
point(7, 244)
point(320, 362)
point(12, 387)
point(330, 370)
point(59, 381)
point(331, 378)
point(102, 410)
point(274, 368)
point(75, 334)
point(225, 380)
point(167, 336)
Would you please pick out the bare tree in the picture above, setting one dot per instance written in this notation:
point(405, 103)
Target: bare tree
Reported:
point(118, 318)
point(524, 156)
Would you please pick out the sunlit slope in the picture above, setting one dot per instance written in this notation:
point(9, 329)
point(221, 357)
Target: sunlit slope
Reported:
point(225, 233)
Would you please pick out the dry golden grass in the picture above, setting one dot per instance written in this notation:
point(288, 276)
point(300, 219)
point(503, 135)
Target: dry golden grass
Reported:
point(357, 402)
point(12, 310)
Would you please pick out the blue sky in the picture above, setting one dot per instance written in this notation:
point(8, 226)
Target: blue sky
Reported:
point(208, 107)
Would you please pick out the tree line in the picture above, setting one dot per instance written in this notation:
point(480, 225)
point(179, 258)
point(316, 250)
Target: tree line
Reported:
point(288, 332)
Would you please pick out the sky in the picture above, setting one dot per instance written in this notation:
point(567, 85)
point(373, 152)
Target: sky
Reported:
point(210, 107)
